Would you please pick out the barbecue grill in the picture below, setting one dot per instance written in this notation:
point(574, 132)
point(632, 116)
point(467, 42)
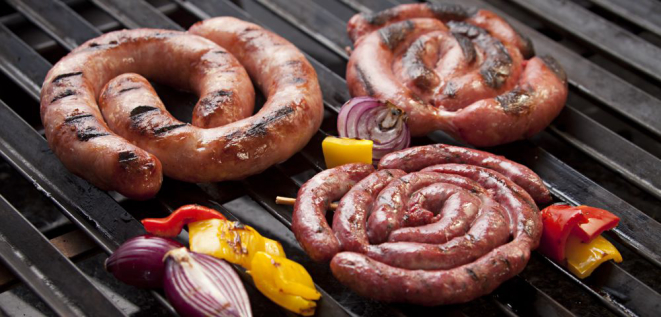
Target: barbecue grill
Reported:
point(603, 150)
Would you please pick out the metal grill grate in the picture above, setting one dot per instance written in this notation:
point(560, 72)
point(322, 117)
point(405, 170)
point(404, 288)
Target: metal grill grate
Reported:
point(603, 150)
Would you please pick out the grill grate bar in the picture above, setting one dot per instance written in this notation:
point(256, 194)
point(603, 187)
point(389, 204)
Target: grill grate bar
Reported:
point(22, 64)
point(46, 271)
point(598, 32)
point(69, 33)
point(136, 14)
point(644, 13)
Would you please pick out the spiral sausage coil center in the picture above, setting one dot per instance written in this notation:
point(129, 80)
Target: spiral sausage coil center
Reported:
point(433, 225)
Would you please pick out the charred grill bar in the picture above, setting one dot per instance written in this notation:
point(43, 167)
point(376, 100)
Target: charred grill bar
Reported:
point(612, 119)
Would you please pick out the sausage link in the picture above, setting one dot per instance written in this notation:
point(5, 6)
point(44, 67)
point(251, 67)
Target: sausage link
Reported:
point(417, 158)
point(314, 197)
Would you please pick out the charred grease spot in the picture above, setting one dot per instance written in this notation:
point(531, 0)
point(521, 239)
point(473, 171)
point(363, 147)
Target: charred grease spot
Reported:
point(467, 47)
point(128, 89)
point(67, 75)
point(451, 12)
point(126, 157)
point(516, 101)
point(364, 81)
point(165, 129)
point(555, 67)
point(139, 110)
point(261, 128)
point(392, 35)
point(66, 93)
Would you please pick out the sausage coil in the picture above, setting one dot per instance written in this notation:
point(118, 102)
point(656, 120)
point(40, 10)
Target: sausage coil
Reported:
point(443, 233)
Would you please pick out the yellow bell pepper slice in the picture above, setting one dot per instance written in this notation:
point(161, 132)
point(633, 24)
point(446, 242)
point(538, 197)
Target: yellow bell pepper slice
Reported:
point(231, 241)
point(583, 258)
point(339, 151)
point(285, 282)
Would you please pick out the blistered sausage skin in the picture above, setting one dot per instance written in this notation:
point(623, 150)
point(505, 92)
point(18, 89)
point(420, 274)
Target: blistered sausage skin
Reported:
point(458, 70)
point(417, 158)
point(74, 126)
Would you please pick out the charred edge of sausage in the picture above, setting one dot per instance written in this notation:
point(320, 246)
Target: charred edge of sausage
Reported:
point(139, 110)
point(364, 81)
point(126, 157)
point(516, 101)
point(497, 66)
point(128, 89)
point(67, 75)
point(168, 128)
point(423, 77)
point(451, 12)
point(66, 93)
point(555, 67)
point(467, 47)
point(498, 63)
point(394, 34)
point(260, 128)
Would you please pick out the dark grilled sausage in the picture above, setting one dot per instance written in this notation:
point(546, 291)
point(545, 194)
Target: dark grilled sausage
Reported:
point(447, 233)
point(459, 70)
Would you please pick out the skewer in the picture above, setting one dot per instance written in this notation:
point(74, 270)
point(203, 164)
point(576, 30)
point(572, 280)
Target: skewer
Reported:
point(291, 201)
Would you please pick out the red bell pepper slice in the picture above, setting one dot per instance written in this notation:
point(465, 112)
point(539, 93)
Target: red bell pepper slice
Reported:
point(559, 221)
point(171, 226)
point(599, 220)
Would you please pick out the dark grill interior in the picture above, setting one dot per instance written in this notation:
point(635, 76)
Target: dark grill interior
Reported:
point(603, 150)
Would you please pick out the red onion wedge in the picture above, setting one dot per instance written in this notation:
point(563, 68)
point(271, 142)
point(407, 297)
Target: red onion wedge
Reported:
point(197, 284)
point(372, 119)
point(139, 261)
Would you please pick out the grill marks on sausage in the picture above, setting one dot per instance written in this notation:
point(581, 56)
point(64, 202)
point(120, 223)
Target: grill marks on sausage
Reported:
point(260, 128)
point(364, 81)
point(212, 101)
point(394, 34)
point(85, 126)
point(497, 65)
point(67, 75)
point(137, 111)
point(555, 67)
point(65, 93)
point(155, 124)
point(126, 157)
point(165, 129)
point(467, 47)
point(423, 77)
point(127, 89)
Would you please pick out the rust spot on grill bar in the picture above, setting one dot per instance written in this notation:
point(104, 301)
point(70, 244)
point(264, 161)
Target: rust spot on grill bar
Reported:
point(62, 76)
point(392, 35)
point(66, 93)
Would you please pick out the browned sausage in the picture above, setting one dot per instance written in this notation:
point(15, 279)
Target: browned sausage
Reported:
point(457, 70)
point(81, 139)
point(313, 199)
point(417, 158)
